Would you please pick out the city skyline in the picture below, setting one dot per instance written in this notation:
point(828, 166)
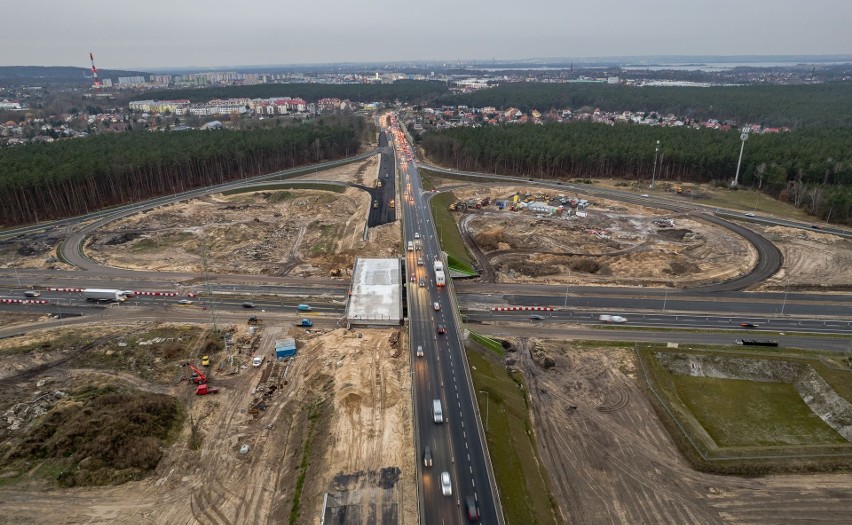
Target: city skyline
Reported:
point(194, 33)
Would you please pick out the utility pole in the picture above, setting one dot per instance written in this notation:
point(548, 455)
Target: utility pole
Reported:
point(654, 171)
point(486, 408)
point(744, 138)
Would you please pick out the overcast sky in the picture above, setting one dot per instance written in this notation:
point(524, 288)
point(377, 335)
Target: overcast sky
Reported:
point(127, 34)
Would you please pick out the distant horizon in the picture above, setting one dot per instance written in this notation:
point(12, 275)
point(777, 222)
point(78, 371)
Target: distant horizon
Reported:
point(608, 61)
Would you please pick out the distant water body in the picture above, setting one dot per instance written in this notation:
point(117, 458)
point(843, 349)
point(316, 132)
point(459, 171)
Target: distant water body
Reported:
point(703, 66)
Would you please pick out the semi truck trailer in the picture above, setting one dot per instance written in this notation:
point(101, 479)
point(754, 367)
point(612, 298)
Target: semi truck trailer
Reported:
point(104, 295)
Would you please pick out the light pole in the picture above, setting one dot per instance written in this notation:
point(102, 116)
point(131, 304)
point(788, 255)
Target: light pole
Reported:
point(654, 171)
point(486, 408)
point(786, 285)
point(665, 300)
point(566, 298)
point(744, 138)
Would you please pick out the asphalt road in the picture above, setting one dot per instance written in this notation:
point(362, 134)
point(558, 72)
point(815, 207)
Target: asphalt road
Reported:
point(457, 444)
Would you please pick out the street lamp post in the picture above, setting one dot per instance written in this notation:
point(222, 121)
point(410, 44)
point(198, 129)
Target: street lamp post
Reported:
point(786, 286)
point(486, 408)
point(654, 170)
point(566, 297)
point(744, 138)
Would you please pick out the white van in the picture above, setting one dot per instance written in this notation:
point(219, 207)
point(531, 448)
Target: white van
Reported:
point(257, 361)
point(437, 411)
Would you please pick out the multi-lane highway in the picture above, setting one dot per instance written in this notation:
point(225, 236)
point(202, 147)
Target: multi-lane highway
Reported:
point(457, 445)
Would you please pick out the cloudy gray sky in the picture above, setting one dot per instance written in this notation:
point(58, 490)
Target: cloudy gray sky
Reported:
point(171, 33)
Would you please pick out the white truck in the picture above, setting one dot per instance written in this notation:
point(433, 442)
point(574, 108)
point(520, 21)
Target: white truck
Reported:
point(440, 279)
point(439, 266)
point(104, 295)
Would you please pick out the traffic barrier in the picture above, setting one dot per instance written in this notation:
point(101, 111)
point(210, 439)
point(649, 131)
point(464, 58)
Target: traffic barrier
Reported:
point(524, 308)
point(24, 301)
point(157, 294)
point(65, 289)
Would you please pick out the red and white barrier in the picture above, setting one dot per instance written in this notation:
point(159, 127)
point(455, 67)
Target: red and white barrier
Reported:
point(157, 294)
point(524, 308)
point(65, 289)
point(24, 301)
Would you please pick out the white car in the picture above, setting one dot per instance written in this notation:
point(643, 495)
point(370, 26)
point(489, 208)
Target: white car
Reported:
point(436, 306)
point(446, 485)
point(257, 361)
point(184, 301)
point(416, 235)
point(749, 214)
point(419, 350)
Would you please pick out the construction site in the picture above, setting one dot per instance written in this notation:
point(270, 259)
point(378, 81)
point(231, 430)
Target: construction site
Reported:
point(329, 426)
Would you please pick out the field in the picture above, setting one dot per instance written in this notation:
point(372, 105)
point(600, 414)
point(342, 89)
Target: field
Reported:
point(738, 413)
point(610, 459)
point(758, 406)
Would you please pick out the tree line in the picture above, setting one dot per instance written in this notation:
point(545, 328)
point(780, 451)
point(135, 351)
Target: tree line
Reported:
point(828, 104)
point(811, 168)
point(72, 177)
point(409, 91)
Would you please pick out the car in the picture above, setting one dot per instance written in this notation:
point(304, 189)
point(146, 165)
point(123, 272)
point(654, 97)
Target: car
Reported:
point(419, 350)
point(436, 306)
point(645, 195)
point(413, 277)
point(420, 261)
point(205, 360)
point(618, 319)
point(536, 317)
point(472, 508)
point(446, 484)
point(257, 361)
point(748, 214)
point(248, 304)
point(422, 283)
point(748, 325)
point(32, 293)
point(816, 226)
point(441, 329)
point(427, 457)
point(184, 301)
point(416, 235)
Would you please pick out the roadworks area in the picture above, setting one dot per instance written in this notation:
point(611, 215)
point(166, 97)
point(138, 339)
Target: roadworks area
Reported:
point(266, 448)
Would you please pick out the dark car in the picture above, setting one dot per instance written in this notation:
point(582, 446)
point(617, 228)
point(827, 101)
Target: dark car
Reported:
point(413, 277)
point(471, 508)
point(422, 283)
point(536, 317)
point(816, 226)
point(248, 304)
point(748, 325)
point(427, 457)
point(441, 329)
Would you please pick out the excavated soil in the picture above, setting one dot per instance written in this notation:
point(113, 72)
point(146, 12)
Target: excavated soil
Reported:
point(616, 243)
point(297, 232)
point(610, 460)
point(343, 404)
point(812, 260)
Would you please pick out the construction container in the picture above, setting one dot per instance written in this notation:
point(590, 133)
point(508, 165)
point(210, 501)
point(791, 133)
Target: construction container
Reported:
point(285, 348)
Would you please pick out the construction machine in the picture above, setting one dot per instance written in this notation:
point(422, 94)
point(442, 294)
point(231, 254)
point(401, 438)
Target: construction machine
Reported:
point(197, 376)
